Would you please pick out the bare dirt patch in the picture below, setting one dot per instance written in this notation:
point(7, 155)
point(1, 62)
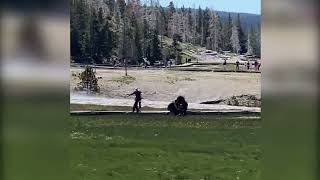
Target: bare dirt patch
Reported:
point(166, 85)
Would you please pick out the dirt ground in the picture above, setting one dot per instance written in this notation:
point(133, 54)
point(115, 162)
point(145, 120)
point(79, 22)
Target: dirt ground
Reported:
point(166, 85)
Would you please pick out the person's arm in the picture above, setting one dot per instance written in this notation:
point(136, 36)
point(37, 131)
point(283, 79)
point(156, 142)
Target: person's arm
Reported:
point(130, 94)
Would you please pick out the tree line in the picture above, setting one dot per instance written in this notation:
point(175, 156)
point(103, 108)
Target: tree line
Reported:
point(128, 29)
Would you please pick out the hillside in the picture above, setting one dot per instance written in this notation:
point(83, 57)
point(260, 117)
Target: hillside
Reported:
point(246, 19)
point(104, 30)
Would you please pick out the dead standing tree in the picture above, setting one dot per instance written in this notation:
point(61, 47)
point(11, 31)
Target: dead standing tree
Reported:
point(89, 81)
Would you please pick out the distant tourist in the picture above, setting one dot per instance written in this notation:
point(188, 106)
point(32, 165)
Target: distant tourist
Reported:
point(248, 65)
point(178, 107)
point(256, 65)
point(166, 62)
point(237, 65)
point(224, 64)
point(259, 65)
point(145, 62)
point(137, 101)
point(114, 63)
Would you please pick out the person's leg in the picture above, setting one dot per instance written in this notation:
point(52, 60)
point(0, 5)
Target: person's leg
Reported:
point(135, 106)
point(138, 107)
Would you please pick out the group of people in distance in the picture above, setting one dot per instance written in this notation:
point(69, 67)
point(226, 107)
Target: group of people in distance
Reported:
point(178, 107)
point(257, 65)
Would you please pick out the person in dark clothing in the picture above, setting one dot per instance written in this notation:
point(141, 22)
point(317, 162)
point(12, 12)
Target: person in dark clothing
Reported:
point(179, 107)
point(137, 101)
point(256, 65)
point(114, 63)
point(224, 64)
point(237, 65)
point(248, 65)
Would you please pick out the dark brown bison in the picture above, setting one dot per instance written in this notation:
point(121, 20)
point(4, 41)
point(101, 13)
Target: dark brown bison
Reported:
point(178, 107)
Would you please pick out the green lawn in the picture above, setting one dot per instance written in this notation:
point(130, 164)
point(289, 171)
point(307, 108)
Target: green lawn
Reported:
point(145, 147)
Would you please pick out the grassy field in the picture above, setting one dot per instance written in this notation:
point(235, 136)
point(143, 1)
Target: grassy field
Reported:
point(144, 147)
point(93, 107)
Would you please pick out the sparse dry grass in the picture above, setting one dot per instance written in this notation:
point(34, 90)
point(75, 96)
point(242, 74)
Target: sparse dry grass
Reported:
point(166, 85)
point(174, 79)
point(124, 80)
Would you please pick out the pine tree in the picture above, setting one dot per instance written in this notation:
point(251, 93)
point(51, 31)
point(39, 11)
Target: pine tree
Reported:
point(146, 40)
point(171, 9)
point(127, 29)
point(124, 44)
point(122, 7)
point(163, 24)
point(212, 31)
point(251, 42)
point(74, 28)
point(200, 18)
point(88, 80)
point(111, 5)
point(242, 36)
point(82, 46)
point(156, 49)
point(227, 32)
point(175, 54)
point(172, 20)
point(118, 31)
point(108, 42)
point(94, 31)
point(205, 27)
point(214, 38)
point(235, 42)
point(137, 40)
point(219, 34)
point(101, 38)
point(258, 42)
point(148, 53)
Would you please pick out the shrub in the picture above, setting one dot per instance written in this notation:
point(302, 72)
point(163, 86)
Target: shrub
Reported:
point(89, 81)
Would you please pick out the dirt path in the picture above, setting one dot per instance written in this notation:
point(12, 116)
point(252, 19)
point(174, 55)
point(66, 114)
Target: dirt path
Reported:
point(98, 100)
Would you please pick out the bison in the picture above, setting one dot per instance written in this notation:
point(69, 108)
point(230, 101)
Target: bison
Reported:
point(178, 107)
